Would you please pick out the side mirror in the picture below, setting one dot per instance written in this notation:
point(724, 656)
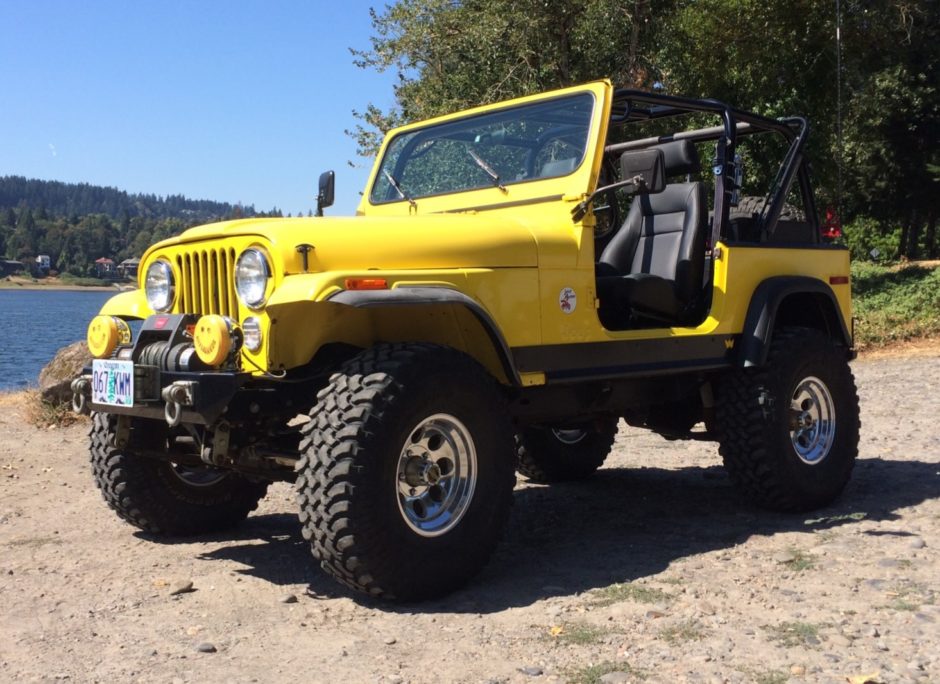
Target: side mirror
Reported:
point(645, 170)
point(325, 192)
point(642, 171)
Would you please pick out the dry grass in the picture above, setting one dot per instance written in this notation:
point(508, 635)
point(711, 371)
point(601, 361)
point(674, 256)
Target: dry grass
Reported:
point(628, 591)
point(41, 413)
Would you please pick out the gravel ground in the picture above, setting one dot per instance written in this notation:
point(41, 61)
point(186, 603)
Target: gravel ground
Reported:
point(651, 571)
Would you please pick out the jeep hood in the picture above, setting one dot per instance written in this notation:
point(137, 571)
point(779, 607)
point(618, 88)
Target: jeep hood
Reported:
point(387, 243)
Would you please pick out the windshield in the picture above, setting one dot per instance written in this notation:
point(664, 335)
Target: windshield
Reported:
point(542, 140)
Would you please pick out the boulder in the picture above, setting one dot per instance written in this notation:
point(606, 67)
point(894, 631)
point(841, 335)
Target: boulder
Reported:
point(55, 379)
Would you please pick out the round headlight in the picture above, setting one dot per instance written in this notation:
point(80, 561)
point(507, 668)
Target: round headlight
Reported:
point(251, 277)
point(159, 286)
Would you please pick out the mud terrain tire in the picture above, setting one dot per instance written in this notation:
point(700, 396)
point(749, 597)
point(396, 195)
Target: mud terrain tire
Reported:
point(163, 499)
point(546, 455)
point(788, 431)
point(406, 472)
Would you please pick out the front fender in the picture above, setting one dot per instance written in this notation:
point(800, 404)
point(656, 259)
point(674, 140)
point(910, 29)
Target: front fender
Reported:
point(131, 304)
point(405, 297)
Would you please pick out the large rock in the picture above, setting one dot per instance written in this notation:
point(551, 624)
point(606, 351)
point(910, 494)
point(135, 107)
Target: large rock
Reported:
point(56, 378)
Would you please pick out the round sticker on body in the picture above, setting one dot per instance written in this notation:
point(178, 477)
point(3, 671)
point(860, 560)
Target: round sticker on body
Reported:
point(567, 300)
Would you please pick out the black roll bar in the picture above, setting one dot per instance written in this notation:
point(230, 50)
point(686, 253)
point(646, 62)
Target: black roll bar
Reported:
point(636, 105)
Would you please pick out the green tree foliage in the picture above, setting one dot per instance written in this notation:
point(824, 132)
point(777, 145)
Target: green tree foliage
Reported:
point(452, 55)
point(893, 122)
point(776, 57)
point(74, 224)
point(66, 199)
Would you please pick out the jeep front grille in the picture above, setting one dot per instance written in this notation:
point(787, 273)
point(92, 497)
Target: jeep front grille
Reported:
point(207, 282)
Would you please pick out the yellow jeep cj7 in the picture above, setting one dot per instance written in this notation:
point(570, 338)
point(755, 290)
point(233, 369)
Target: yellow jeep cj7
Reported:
point(518, 278)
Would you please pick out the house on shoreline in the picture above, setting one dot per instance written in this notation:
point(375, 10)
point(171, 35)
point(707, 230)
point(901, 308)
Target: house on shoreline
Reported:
point(105, 267)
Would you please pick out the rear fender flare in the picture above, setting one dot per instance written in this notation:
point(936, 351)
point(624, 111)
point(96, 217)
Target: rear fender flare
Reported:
point(791, 291)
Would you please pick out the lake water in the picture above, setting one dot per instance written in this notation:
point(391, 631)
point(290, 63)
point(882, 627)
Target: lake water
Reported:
point(35, 324)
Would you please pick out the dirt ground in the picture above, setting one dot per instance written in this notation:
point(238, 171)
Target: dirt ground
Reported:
point(651, 571)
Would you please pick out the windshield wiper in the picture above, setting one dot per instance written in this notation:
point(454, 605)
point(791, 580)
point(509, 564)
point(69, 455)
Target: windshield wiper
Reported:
point(487, 169)
point(401, 193)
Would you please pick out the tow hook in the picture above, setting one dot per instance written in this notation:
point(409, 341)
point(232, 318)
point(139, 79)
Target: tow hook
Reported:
point(81, 390)
point(177, 395)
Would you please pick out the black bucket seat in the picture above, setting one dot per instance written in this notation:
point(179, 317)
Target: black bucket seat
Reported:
point(653, 266)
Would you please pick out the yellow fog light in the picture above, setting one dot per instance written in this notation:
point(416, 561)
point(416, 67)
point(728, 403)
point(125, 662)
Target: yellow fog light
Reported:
point(105, 333)
point(214, 338)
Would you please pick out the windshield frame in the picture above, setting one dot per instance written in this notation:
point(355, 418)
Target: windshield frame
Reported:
point(381, 193)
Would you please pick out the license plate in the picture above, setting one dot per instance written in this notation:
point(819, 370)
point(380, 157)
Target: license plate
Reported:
point(112, 382)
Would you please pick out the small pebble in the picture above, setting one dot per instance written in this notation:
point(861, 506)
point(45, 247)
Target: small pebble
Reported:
point(395, 679)
point(617, 678)
point(531, 670)
point(181, 588)
point(289, 598)
point(206, 647)
point(918, 543)
point(797, 670)
point(840, 640)
point(390, 640)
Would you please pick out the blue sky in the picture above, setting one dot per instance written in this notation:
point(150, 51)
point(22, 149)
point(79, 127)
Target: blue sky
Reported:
point(229, 101)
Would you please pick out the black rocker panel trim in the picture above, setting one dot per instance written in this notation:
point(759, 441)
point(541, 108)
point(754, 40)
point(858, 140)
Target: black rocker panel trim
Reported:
point(624, 358)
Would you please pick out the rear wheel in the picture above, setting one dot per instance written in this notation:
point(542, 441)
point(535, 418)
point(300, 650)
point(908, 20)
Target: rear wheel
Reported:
point(558, 454)
point(164, 498)
point(788, 432)
point(405, 478)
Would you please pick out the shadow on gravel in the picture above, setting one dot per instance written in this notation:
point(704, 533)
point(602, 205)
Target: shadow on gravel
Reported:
point(619, 526)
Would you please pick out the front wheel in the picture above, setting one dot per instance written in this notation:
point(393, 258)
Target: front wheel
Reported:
point(406, 474)
point(788, 432)
point(161, 497)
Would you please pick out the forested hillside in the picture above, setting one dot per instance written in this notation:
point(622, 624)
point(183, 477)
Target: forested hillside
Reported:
point(76, 223)
point(79, 199)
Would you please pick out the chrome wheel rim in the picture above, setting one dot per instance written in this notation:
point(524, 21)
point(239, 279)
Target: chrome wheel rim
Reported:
point(437, 475)
point(812, 420)
point(569, 436)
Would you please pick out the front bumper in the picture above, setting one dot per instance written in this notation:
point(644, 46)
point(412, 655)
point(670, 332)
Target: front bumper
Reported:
point(174, 396)
point(169, 380)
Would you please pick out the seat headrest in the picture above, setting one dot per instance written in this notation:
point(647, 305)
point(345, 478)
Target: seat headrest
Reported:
point(680, 157)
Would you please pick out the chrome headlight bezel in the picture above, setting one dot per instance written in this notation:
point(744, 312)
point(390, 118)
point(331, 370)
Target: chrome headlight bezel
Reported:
point(252, 276)
point(160, 286)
